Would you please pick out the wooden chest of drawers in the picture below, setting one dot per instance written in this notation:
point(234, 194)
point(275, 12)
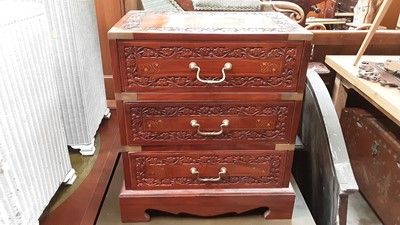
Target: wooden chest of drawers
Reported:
point(373, 145)
point(209, 105)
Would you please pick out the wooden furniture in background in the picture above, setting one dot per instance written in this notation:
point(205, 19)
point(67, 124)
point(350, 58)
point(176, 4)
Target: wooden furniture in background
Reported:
point(209, 105)
point(383, 98)
point(329, 42)
point(131, 5)
point(391, 16)
point(346, 42)
point(345, 6)
point(373, 146)
point(288, 8)
point(324, 9)
point(322, 167)
point(335, 42)
point(306, 5)
point(329, 23)
point(366, 11)
point(108, 13)
point(377, 21)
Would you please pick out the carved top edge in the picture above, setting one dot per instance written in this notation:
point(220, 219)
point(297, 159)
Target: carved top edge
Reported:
point(204, 25)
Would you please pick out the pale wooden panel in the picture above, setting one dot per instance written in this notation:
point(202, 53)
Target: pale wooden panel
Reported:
point(390, 19)
point(384, 98)
point(108, 13)
point(132, 5)
point(109, 83)
point(374, 27)
point(356, 37)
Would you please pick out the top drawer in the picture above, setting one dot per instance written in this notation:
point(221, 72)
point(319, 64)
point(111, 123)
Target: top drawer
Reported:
point(188, 66)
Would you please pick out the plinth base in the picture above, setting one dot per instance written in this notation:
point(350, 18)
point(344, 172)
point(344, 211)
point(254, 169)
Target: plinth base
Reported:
point(206, 202)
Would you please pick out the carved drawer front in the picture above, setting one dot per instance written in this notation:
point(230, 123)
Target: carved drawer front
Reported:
point(169, 66)
point(234, 169)
point(161, 123)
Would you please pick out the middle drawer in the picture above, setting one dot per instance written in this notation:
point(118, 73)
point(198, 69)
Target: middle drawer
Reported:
point(171, 123)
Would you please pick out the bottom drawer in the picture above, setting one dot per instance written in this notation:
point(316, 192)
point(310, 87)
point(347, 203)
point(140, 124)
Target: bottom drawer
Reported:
point(211, 169)
point(375, 158)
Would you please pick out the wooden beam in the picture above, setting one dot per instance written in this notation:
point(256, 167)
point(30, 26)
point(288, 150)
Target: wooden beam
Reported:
point(355, 37)
point(377, 21)
point(131, 5)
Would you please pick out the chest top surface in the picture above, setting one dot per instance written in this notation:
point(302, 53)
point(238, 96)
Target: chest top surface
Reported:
point(207, 25)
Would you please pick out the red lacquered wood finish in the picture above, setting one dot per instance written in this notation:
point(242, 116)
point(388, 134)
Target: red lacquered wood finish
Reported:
point(209, 105)
point(190, 170)
point(155, 66)
point(278, 202)
point(166, 123)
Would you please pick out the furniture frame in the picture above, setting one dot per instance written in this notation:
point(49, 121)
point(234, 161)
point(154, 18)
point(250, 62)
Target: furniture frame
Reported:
point(211, 116)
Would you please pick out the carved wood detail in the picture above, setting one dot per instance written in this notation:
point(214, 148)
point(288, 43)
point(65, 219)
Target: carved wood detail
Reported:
point(174, 130)
point(279, 113)
point(285, 54)
point(281, 23)
point(141, 162)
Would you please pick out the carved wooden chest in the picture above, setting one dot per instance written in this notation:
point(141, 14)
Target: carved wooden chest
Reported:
point(373, 145)
point(209, 105)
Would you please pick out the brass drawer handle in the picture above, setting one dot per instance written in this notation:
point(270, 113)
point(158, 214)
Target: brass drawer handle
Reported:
point(224, 123)
point(222, 172)
point(193, 66)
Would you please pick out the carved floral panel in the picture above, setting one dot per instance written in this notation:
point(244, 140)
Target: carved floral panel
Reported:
point(271, 22)
point(147, 122)
point(271, 179)
point(284, 59)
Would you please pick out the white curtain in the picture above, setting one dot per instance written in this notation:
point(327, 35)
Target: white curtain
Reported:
point(79, 71)
point(34, 158)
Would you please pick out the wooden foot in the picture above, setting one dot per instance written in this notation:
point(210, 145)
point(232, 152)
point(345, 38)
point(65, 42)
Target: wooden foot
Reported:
point(206, 202)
